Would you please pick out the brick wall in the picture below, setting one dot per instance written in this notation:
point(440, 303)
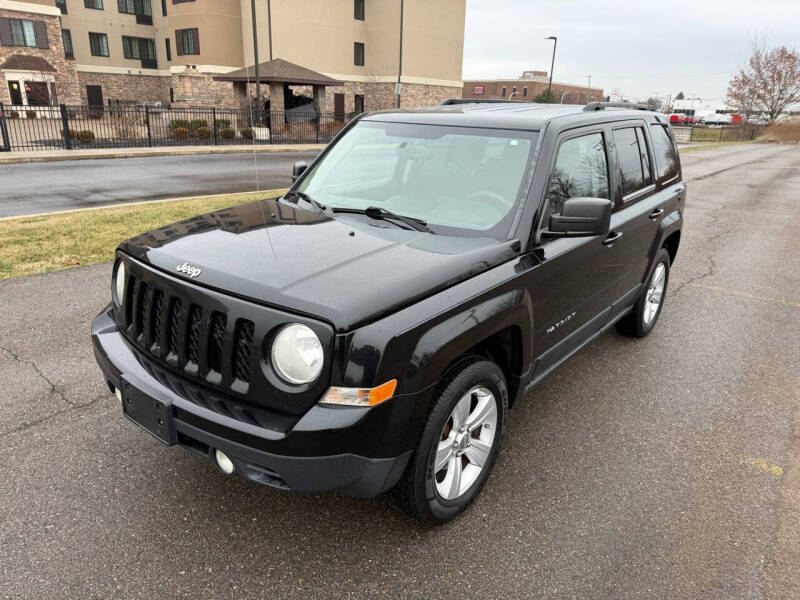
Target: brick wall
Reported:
point(126, 88)
point(66, 78)
point(193, 88)
point(378, 96)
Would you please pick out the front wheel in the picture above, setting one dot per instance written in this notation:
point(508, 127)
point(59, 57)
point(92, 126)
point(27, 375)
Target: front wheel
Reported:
point(641, 320)
point(459, 444)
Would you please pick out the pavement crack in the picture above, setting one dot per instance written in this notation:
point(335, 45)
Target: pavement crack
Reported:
point(53, 389)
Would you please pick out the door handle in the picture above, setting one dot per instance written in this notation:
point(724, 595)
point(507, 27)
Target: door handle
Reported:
point(612, 237)
point(656, 213)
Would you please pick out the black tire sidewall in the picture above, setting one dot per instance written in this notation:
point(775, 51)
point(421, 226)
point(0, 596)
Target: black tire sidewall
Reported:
point(480, 373)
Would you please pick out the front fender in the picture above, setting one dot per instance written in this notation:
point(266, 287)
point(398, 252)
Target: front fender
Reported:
point(416, 345)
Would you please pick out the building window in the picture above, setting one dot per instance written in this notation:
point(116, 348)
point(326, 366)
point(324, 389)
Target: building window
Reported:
point(22, 33)
point(96, 4)
point(513, 90)
point(358, 54)
point(358, 10)
point(62, 6)
point(164, 8)
point(358, 103)
point(169, 48)
point(187, 41)
point(98, 44)
point(504, 92)
point(135, 7)
point(525, 91)
point(138, 48)
point(181, 1)
point(66, 35)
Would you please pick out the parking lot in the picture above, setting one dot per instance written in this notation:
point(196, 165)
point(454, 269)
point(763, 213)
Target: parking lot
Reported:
point(665, 467)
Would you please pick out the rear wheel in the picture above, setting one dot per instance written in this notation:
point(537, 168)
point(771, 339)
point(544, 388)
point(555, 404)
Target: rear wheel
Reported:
point(459, 444)
point(641, 320)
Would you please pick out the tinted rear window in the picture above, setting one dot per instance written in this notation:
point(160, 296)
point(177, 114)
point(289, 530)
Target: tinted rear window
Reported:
point(665, 153)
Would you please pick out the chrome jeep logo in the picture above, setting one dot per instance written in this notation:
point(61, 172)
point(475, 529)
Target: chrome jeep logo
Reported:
point(189, 270)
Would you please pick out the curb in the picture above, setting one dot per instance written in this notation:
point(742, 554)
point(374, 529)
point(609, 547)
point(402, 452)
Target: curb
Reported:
point(269, 192)
point(134, 153)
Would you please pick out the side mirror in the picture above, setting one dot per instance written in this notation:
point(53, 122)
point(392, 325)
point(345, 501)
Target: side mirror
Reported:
point(581, 217)
point(298, 169)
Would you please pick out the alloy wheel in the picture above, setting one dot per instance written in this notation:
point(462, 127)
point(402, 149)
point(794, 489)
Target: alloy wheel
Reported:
point(465, 443)
point(655, 293)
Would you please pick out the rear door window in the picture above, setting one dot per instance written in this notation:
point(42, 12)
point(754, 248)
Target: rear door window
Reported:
point(581, 170)
point(665, 153)
point(632, 159)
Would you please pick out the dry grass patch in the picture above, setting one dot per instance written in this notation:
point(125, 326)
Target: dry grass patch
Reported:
point(53, 242)
point(786, 132)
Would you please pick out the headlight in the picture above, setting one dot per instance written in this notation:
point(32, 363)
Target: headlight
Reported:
point(119, 283)
point(297, 354)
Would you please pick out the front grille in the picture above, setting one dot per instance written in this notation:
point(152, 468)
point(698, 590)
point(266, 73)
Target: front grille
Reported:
point(244, 339)
point(181, 332)
point(216, 342)
point(173, 342)
point(193, 343)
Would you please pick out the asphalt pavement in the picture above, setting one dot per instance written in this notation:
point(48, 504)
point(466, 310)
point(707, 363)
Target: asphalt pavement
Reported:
point(666, 467)
point(32, 188)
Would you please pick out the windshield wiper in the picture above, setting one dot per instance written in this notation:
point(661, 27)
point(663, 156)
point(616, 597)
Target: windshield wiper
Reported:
point(376, 212)
point(307, 198)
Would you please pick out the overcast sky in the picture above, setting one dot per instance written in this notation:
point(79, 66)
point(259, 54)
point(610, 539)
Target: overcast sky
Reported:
point(643, 48)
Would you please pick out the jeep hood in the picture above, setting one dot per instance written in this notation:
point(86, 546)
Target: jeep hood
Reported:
point(347, 271)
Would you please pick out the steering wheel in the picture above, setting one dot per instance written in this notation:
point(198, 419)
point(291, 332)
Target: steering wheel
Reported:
point(496, 199)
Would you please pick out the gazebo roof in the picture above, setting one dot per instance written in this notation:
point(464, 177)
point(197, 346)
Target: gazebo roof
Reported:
point(23, 62)
point(279, 71)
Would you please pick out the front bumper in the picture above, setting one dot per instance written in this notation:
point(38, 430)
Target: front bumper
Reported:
point(318, 453)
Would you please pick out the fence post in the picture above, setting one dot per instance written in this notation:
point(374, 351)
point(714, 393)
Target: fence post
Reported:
point(147, 121)
point(6, 147)
point(319, 116)
point(65, 126)
point(214, 123)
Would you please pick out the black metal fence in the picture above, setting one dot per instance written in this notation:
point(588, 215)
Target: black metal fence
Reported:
point(727, 133)
point(70, 127)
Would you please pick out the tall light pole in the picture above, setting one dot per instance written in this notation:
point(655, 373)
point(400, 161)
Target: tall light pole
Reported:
point(255, 57)
point(552, 65)
point(398, 85)
point(589, 77)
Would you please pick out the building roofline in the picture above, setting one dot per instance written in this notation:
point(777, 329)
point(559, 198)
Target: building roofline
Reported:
point(28, 7)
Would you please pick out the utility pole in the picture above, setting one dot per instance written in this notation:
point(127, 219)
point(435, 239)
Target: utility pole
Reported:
point(589, 77)
point(552, 65)
point(269, 27)
point(255, 58)
point(397, 87)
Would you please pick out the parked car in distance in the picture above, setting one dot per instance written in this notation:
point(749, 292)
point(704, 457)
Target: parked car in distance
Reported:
point(369, 330)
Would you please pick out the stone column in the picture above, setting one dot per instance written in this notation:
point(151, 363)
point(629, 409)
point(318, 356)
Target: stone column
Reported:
point(319, 98)
point(276, 96)
point(240, 92)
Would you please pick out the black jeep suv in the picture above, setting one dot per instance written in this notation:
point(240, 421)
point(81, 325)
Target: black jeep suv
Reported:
point(369, 330)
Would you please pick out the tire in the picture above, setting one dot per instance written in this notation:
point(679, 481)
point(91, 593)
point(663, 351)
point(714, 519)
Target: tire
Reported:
point(438, 497)
point(641, 320)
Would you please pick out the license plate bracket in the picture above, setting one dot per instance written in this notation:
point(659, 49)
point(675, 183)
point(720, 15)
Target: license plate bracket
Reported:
point(149, 413)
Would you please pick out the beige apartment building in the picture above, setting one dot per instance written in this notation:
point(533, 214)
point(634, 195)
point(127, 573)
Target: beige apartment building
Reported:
point(169, 51)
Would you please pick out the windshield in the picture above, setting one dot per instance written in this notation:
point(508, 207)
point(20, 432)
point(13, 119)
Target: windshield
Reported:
point(459, 180)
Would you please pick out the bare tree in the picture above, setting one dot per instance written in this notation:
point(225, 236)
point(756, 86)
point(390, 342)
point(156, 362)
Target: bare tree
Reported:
point(769, 82)
point(654, 103)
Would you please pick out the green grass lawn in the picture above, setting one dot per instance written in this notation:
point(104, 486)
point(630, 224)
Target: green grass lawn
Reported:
point(52, 242)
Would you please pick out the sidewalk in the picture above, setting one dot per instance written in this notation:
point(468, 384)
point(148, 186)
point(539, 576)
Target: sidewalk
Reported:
point(56, 155)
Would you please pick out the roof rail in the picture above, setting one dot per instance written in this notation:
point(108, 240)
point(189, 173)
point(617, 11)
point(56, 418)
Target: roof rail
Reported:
point(451, 101)
point(592, 106)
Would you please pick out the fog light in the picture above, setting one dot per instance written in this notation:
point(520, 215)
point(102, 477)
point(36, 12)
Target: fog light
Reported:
point(118, 393)
point(223, 462)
